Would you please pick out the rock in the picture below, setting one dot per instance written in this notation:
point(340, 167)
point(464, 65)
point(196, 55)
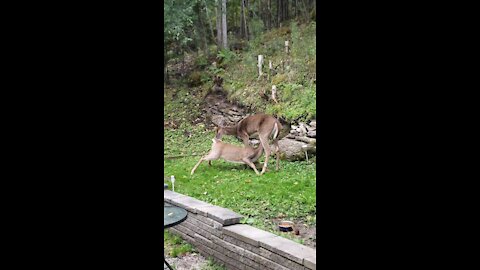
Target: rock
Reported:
point(313, 123)
point(217, 119)
point(234, 119)
point(232, 112)
point(292, 150)
point(306, 140)
point(294, 127)
point(303, 129)
point(312, 133)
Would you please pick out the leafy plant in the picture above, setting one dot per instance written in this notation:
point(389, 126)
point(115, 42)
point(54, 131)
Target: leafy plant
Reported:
point(226, 56)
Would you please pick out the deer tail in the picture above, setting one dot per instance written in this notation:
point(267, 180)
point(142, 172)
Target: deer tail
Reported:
point(275, 131)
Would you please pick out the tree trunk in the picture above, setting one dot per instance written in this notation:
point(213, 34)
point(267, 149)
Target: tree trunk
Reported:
point(224, 24)
point(279, 8)
point(219, 24)
point(165, 61)
point(202, 32)
point(286, 10)
point(306, 13)
point(245, 12)
point(269, 16)
point(294, 7)
point(242, 26)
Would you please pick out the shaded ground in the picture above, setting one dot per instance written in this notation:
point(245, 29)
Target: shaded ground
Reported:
point(189, 261)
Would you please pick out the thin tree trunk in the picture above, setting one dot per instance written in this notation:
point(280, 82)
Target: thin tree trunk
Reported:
point(269, 17)
point(165, 61)
point(287, 4)
point(305, 5)
point(219, 24)
point(245, 19)
point(208, 20)
point(242, 25)
point(278, 13)
point(224, 23)
point(202, 32)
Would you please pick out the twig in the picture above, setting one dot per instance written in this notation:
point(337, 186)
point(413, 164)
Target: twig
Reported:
point(180, 156)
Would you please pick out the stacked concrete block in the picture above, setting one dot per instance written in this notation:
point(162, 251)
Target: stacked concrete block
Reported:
point(215, 232)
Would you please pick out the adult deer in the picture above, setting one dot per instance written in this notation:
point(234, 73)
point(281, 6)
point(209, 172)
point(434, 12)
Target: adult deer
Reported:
point(264, 125)
point(232, 153)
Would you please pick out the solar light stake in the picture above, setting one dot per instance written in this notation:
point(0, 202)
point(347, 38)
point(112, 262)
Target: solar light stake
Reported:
point(172, 179)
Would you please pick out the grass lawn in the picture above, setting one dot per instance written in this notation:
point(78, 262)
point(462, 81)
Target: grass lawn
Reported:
point(287, 194)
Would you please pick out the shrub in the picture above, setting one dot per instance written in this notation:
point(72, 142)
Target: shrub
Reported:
point(195, 78)
point(201, 61)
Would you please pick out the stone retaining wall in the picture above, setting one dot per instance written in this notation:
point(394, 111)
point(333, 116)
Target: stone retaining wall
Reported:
point(216, 233)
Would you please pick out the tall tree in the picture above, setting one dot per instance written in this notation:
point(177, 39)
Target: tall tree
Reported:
point(224, 24)
point(219, 24)
point(244, 16)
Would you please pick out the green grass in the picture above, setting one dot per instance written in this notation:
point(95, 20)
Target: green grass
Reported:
point(176, 246)
point(211, 265)
point(288, 193)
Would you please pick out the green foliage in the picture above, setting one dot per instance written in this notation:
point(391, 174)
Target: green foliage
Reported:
point(201, 61)
point(304, 49)
point(226, 56)
point(178, 22)
point(195, 78)
point(298, 102)
point(296, 90)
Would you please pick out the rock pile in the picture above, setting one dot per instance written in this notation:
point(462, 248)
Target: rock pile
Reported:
point(300, 142)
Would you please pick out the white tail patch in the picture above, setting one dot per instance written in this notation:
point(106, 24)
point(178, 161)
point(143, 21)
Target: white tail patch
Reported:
point(275, 130)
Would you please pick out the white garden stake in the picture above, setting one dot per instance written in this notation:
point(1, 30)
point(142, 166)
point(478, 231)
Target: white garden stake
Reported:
point(172, 179)
point(305, 150)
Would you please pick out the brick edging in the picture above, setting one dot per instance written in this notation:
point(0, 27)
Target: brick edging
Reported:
point(216, 233)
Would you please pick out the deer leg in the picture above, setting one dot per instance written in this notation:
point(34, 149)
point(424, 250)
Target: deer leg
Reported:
point(198, 163)
point(266, 147)
point(277, 152)
point(212, 155)
point(249, 163)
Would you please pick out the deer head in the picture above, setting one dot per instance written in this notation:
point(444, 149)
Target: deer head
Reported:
point(220, 129)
